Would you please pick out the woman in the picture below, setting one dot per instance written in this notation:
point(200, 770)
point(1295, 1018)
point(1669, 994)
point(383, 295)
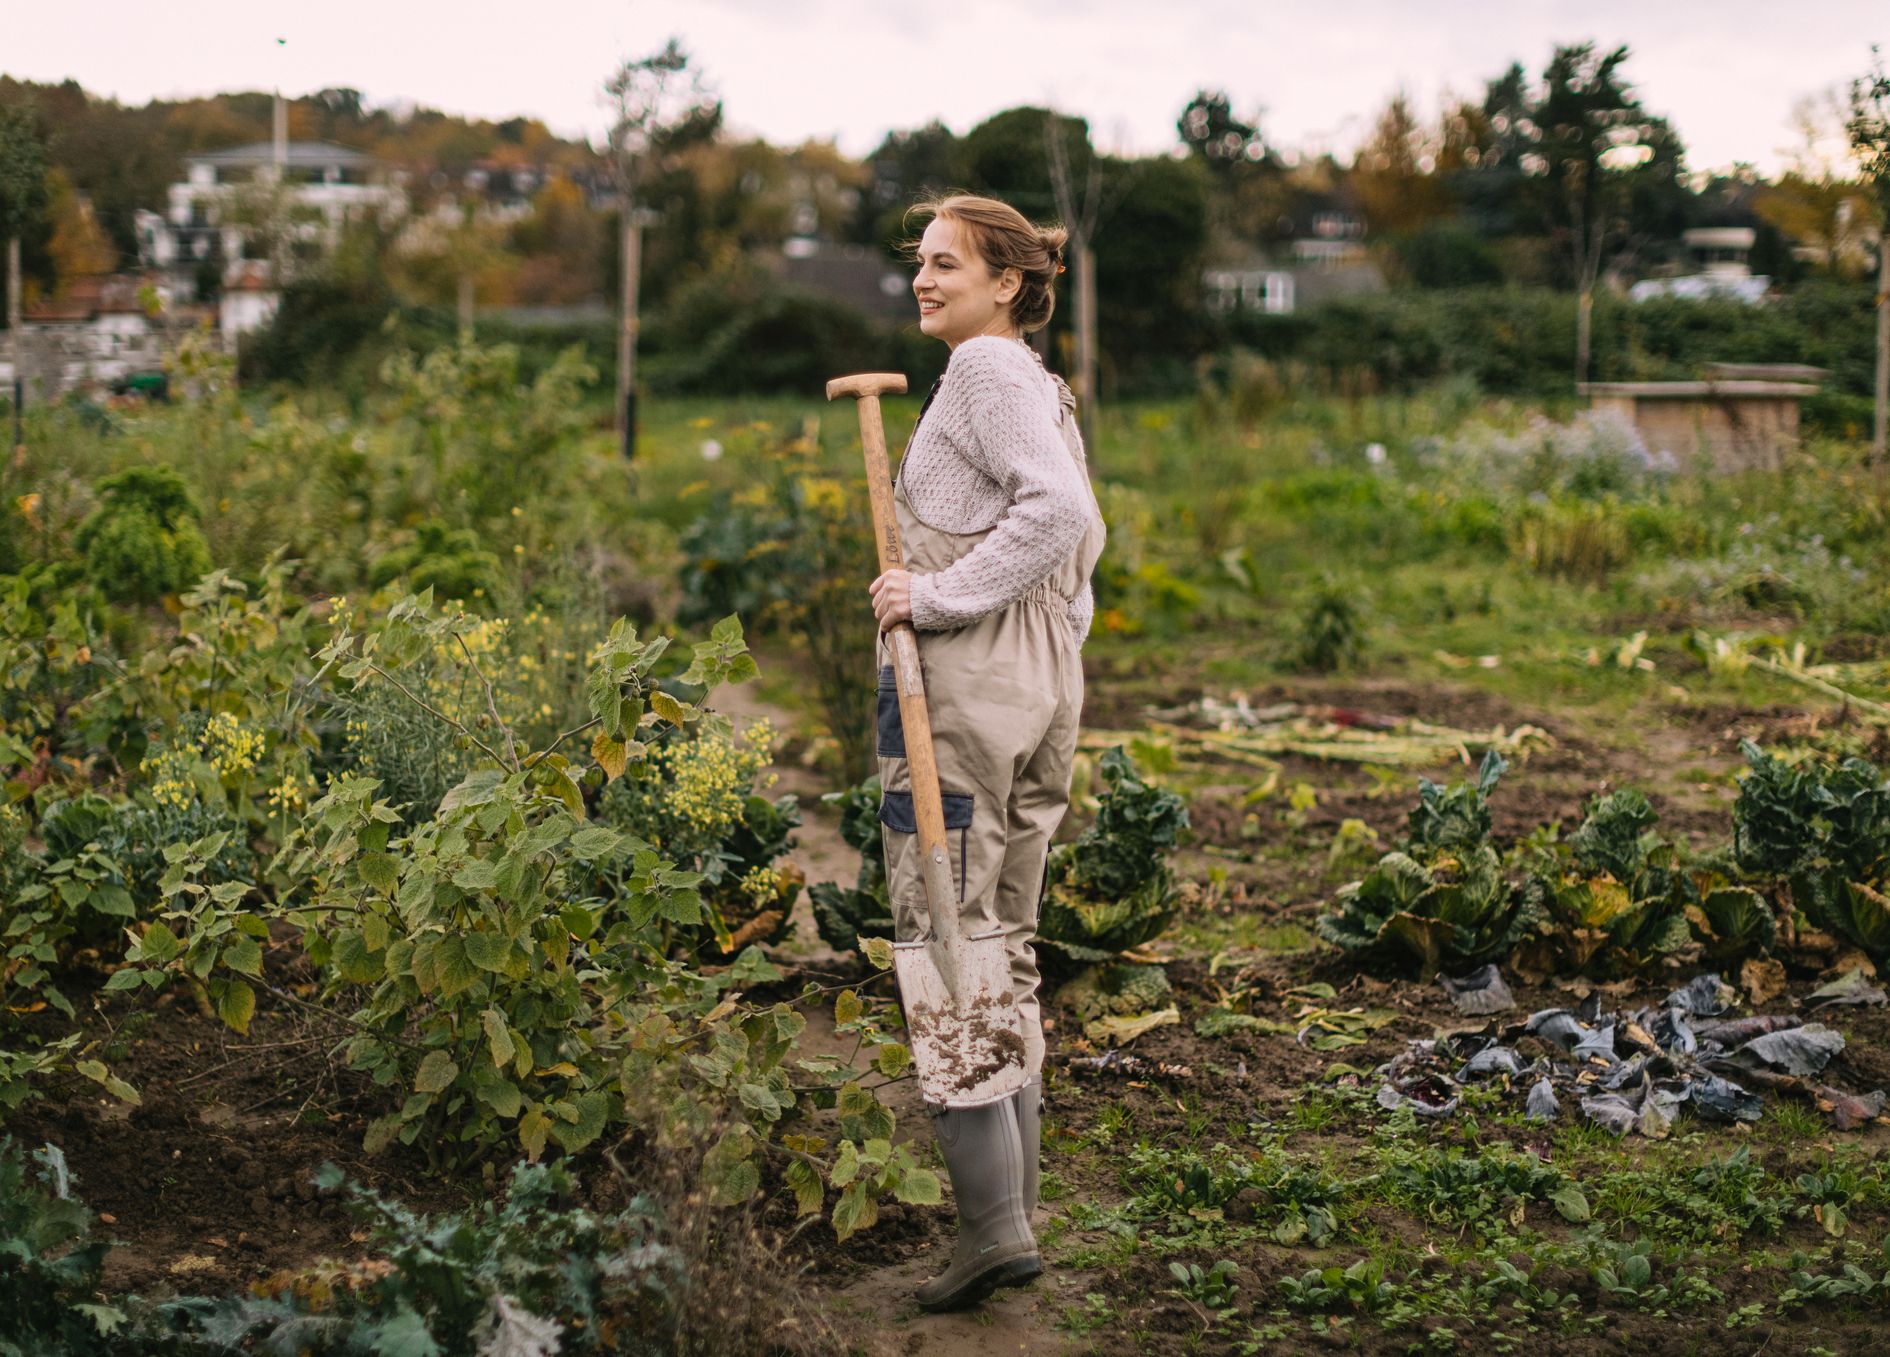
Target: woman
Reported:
point(1001, 532)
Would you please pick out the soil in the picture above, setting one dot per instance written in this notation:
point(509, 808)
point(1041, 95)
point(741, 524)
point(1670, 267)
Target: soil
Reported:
point(207, 1184)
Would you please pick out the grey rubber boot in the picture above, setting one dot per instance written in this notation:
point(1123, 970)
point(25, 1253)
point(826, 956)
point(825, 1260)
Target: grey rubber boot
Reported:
point(995, 1248)
point(1030, 1136)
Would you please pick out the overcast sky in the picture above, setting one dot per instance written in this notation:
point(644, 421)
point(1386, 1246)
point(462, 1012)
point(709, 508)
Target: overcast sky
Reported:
point(1726, 72)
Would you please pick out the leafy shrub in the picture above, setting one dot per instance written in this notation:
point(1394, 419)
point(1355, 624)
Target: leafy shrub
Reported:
point(798, 542)
point(741, 331)
point(694, 800)
point(144, 541)
point(1444, 900)
point(1113, 888)
point(1331, 633)
point(453, 562)
point(1825, 829)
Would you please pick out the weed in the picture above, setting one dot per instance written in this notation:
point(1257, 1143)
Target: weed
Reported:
point(1213, 1289)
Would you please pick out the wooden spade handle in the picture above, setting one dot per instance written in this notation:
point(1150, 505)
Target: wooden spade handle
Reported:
point(921, 761)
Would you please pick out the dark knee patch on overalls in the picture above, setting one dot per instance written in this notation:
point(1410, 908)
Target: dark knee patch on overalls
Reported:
point(892, 731)
point(898, 814)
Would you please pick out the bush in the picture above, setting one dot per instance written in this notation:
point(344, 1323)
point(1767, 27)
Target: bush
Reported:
point(144, 541)
point(452, 562)
point(744, 332)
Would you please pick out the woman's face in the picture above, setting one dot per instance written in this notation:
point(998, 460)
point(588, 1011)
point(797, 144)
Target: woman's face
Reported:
point(958, 297)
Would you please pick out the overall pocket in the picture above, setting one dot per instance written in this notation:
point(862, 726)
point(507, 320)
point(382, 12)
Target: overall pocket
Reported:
point(892, 731)
point(896, 812)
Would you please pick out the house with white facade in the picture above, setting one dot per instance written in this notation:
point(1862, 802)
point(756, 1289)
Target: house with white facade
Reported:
point(273, 204)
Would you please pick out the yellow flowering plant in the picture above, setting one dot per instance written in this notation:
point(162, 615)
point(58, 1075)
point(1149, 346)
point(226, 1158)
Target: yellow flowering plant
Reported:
point(699, 801)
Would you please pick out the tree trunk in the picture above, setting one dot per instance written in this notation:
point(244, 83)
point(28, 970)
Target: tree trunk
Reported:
point(465, 307)
point(627, 333)
point(16, 350)
point(1881, 434)
point(1088, 397)
point(1584, 324)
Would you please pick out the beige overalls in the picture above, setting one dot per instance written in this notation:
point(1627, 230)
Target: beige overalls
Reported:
point(1005, 695)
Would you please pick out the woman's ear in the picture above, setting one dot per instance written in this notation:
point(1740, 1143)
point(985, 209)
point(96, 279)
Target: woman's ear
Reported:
point(1010, 283)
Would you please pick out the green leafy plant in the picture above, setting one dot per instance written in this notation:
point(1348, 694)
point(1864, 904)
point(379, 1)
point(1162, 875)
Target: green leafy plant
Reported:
point(1331, 631)
point(453, 562)
point(528, 1275)
point(695, 800)
point(1113, 888)
point(1214, 1289)
point(143, 542)
point(1613, 893)
point(1361, 1286)
point(845, 915)
point(50, 1267)
point(1825, 830)
point(1444, 901)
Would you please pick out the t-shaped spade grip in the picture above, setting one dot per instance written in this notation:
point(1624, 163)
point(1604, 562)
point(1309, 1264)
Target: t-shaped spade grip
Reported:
point(867, 384)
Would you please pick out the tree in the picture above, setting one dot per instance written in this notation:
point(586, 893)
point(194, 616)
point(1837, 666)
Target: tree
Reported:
point(1396, 173)
point(906, 166)
point(1869, 129)
point(1580, 154)
point(1081, 217)
point(23, 166)
point(658, 105)
point(1210, 130)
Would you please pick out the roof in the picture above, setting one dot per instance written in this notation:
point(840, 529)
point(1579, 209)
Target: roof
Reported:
point(301, 155)
point(90, 296)
point(861, 278)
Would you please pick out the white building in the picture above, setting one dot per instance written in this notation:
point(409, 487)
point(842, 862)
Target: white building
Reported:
point(1722, 257)
point(220, 217)
point(98, 333)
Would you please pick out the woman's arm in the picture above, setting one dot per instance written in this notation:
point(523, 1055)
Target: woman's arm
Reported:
point(1015, 441)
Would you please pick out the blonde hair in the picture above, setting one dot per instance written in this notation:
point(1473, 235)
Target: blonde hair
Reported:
point(1005, 239)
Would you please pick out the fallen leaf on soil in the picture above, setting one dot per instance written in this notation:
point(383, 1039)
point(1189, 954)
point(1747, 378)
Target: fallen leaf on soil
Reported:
point(193, 1262)
point(1763, 981)
point(1849, 988)
point(1118, 1030)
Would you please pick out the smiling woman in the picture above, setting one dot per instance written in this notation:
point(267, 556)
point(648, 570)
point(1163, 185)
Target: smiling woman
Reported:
point(1001, 532)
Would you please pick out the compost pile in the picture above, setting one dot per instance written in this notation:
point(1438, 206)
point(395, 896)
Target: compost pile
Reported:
point(1634, 1072)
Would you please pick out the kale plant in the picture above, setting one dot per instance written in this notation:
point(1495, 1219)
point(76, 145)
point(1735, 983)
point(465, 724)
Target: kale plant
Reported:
point(1443, 901)
point(1825, 829)
point(1113, 888)
point(845, 915)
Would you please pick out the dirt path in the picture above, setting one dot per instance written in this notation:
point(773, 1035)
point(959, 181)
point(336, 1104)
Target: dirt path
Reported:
point(880, 1291)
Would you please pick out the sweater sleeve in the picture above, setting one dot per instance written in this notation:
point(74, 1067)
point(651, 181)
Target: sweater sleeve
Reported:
point(1015, 442)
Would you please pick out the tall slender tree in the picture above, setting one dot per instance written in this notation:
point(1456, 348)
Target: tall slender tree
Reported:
point(1590, 131)
point(23, 165)
point(1081, 211)
point(658, 104)
point(1869, 129)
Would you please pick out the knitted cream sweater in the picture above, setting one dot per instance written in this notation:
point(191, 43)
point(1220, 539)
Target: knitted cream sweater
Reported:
point(989, 453)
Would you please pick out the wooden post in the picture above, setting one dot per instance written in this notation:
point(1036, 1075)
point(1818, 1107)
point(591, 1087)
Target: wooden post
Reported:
point(15, 348)
point(632, 256)
point(465, 305)
point(1880, 436)
point(1087, 397)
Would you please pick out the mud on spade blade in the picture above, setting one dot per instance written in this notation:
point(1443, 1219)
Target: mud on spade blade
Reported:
point(969, 1051)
